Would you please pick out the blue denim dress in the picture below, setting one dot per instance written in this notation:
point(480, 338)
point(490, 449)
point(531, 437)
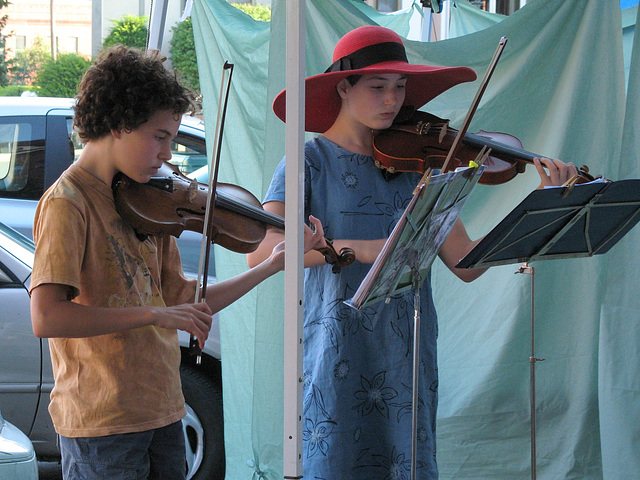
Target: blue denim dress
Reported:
point(358, 365)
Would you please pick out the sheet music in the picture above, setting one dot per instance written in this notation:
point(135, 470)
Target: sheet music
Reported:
point(418, 236)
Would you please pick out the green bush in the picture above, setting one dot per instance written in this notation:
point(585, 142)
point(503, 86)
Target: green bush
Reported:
point(183, 50)
point(183, 54)
point(130, 31)
point(257, 12)
point(16, 90)
point(60, 77)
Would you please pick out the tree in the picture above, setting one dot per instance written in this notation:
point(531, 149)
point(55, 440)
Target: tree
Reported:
point(130, 31)
point(4, 79)
point(26, 63)
point(60, 77)
point(183, 54)
point(182, 46)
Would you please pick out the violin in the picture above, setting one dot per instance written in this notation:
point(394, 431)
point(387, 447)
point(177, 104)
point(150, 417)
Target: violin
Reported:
point(424, 140)
point(171, 203)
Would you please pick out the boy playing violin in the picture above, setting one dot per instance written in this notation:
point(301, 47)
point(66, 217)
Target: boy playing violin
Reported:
point(111, 304)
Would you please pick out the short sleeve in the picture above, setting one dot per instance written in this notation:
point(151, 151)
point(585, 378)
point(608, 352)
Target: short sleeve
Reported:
point(275, 193)
point(58, 225)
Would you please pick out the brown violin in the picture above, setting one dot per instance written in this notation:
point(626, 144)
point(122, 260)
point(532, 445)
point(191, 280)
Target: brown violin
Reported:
point(171, 203)
point(424, 140)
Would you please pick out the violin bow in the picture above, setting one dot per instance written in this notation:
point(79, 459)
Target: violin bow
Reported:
point(472, 109)
point(207, 232)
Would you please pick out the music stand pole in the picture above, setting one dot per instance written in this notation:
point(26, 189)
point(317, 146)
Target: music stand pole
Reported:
point(525, 268)
point(416, 370)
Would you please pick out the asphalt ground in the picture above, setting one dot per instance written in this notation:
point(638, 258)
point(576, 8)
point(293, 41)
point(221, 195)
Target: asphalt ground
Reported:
point(49, 471)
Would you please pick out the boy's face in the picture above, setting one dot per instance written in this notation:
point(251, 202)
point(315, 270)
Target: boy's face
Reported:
point(374, 100)
point(142, 151)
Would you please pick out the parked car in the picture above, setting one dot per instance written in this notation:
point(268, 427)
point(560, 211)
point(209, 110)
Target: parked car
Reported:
point(17, 457)
point(37, 144)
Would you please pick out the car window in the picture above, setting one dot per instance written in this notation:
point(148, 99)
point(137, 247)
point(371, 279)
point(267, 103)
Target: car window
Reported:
point(5, 279)
point(77, 145)
point(21, 156)
point(188, 153)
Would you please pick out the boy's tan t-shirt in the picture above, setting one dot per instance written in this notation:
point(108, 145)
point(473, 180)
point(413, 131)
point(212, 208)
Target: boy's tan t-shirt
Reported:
point(123, 382)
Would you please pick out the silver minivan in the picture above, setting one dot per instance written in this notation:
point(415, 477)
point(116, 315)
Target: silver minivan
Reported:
point(37, 144)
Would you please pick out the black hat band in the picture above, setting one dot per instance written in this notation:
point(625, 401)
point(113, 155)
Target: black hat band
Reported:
point(370, 55)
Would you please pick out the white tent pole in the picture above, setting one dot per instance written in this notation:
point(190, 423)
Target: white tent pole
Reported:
point(445, 20)
point(427, 20)
point(293, 275)
point(157, 19)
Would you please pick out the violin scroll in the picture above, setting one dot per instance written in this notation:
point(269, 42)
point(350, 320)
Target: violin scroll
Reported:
point(338, 260)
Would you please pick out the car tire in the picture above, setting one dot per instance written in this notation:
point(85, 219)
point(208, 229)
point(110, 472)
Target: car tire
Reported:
point(203, 426)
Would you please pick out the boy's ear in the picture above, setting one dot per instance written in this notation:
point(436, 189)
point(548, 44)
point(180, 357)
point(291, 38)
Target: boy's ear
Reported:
point(117, 134)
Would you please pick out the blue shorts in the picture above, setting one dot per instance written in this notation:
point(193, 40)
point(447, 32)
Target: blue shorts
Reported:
point(154, 454)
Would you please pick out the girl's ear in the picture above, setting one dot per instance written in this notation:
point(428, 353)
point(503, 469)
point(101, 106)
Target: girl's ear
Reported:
point(343, 87)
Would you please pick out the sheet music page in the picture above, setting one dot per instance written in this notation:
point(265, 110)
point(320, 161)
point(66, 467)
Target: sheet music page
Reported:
point(418, 236)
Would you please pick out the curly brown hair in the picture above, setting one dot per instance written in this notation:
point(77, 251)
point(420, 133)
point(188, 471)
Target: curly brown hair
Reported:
point(123, 89)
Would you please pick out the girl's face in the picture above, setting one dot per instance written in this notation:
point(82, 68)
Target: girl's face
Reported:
point(374, 100)
point(143, 150)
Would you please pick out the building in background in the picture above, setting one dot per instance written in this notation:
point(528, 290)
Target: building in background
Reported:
point(29, 21)
point(78, 26)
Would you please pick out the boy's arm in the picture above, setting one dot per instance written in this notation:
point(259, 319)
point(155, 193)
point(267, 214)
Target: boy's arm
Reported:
point(54, 315)
point(220, 295)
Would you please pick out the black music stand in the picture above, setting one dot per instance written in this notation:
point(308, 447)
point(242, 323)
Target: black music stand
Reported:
point(409, 251)
point(558, 222)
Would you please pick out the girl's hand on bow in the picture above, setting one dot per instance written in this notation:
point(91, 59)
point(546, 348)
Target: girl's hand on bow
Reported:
point(557, 172)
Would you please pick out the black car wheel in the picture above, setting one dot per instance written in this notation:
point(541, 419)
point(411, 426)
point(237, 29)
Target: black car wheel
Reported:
point(203, 426)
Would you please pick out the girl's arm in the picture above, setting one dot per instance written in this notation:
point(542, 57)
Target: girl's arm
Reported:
point(455, 247)
point(458, 243)
point(366, 250)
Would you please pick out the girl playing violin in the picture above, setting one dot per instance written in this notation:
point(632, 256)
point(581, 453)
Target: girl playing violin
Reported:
point(357, 364)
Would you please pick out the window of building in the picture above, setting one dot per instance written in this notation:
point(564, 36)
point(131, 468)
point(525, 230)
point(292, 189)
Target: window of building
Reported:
point(385, 6)
point(67, 44)
point(21, 42)
point(504, 7)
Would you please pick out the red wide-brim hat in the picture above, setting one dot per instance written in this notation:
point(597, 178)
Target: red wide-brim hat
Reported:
point(364, 51)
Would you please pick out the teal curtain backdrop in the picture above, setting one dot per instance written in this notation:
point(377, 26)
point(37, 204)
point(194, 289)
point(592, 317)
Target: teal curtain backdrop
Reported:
point(561, 88)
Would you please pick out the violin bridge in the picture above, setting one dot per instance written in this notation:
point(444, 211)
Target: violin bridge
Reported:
point(482, 156)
